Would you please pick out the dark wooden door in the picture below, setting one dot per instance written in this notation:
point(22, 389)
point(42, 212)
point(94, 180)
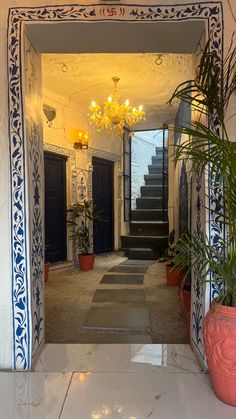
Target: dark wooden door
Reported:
point(103, 198)
point(55, 207)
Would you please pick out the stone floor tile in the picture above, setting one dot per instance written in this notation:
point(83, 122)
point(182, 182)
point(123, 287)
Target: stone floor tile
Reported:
point(119, 296)
point(122, 279)
point(118, 318)
point(129, 269)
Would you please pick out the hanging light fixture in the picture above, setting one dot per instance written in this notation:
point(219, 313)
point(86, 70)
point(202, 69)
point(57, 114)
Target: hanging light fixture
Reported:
point(115, 115)
point(79, 138)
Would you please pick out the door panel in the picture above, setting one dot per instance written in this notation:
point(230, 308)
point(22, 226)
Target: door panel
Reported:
point(55, 207)
point(103, 197)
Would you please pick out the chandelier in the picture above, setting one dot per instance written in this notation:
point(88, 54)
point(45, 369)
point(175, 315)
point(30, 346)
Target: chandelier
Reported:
point(115, 116)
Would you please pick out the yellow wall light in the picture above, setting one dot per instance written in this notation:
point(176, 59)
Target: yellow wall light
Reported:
point(79, 138)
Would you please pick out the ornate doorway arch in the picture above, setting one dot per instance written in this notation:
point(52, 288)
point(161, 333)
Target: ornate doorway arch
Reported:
point(28, 324)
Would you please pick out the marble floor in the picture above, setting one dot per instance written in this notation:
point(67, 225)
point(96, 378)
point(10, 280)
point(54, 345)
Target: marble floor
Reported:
point(132, 381)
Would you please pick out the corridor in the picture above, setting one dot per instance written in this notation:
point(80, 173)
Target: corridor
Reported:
point(120, 301)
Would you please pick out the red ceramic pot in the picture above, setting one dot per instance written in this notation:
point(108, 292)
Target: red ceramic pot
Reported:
point(174, 277)
point(86, 262)
point(220, 347)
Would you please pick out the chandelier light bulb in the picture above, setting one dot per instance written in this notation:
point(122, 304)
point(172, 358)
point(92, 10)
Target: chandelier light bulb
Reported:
point(127, 102)
point(109, 99)
point(140, 108)
point(93, 103)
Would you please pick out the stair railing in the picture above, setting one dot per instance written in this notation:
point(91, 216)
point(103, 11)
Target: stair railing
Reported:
point(163, 173)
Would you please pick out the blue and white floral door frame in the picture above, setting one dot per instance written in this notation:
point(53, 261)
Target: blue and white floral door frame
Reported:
point(23, 321)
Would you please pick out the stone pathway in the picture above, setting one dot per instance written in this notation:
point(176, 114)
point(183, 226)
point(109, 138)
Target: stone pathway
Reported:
point(129, 269)
point(71, 293)
point(119, 296)
point(110, 312)
point(131, 279)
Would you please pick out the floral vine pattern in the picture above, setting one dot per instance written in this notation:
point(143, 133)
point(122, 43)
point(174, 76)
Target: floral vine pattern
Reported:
point(37, 249)
point(210, 12)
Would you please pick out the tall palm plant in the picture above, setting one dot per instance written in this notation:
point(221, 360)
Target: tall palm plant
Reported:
point(211, 151)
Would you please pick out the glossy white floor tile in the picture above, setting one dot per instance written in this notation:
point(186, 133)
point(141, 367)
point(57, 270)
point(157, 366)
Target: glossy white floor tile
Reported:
point(143, 396)
point(118, 358)
point(32, 395)
point(112, 382)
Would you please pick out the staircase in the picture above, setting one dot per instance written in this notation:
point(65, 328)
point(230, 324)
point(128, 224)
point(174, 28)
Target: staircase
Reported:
point(149, 222)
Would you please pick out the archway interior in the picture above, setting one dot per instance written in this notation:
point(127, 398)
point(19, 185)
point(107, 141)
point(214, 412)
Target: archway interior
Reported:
point(94, 51)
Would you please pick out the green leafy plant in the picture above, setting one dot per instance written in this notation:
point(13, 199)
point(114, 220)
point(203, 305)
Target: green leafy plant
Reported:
point(209, 150)
point(80, 217)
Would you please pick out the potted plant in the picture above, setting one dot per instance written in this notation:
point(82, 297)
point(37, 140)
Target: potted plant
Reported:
point(209, 150)
point(80, 217)
point(174, 276)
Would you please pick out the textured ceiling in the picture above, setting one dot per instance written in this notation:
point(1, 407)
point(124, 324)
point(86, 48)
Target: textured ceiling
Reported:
point(85, 77)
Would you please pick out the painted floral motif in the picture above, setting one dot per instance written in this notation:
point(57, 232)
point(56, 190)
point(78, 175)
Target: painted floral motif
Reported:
point(210, 12)
point(37, 249)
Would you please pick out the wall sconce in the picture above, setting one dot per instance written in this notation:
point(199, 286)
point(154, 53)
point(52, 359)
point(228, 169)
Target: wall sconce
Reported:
point(80, 139)
point(50, 113)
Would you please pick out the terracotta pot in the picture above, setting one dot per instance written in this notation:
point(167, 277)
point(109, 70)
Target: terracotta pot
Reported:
point(174, 277)
point(220, 346)
point(86, 262)
point(46, 271)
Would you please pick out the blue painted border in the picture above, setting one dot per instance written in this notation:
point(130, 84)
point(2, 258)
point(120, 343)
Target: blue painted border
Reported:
point(22, 358)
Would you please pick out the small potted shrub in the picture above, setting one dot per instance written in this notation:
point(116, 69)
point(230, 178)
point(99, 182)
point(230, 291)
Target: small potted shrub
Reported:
point(174, 276)
point(211, 151)
point(80, 217)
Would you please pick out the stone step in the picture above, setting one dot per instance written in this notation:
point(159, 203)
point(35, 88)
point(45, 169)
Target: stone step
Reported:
point(151, 242)
point(129, 269)
point(156, 169)
point(155, 179)
point(149, 214)
point(159, 158)
point(149, 228)
point(121, 296)
point(118, 318)
point(150, 203)
point(160, 150)
point(135, 262)
point(153, 191)
point(141, 254)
